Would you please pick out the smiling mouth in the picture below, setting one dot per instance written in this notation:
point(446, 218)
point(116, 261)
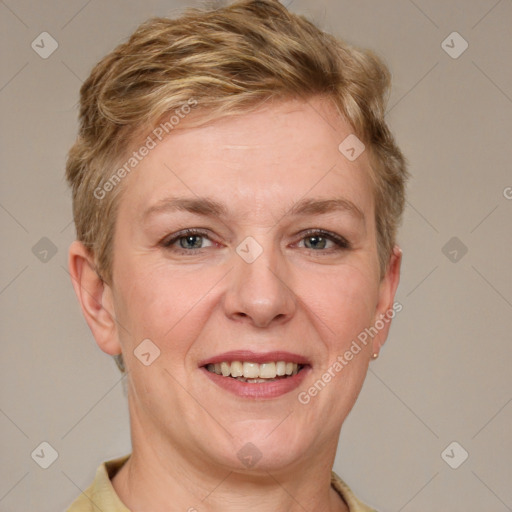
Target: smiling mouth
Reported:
point(254, 372)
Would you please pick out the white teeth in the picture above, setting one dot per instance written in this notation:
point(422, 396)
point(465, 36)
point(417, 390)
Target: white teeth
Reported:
point(225, 369)
point(254, 371)
point(237, 369)
point(251, 370)
point(281, 368)
point(268, 371)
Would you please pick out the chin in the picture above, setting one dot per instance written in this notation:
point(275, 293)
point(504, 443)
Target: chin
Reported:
point(263, 449)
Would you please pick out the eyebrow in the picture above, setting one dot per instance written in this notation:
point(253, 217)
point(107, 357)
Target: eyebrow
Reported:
point(200, 206)
point(211, 208)
point(321, 206)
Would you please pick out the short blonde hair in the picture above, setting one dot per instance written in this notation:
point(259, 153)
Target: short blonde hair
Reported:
point(228, 61)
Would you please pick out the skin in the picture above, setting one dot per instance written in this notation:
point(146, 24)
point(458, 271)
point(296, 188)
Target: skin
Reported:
point(297, 296)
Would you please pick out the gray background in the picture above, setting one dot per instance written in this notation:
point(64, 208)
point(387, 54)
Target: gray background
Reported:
point(444, 374)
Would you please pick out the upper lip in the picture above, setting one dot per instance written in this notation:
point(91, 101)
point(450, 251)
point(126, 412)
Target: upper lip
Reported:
point(255, 357)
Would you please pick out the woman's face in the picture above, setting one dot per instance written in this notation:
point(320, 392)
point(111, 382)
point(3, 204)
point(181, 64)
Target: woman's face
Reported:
point(256, 280)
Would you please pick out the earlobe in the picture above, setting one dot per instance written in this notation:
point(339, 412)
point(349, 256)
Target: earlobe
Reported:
point(386, 311)
point(95, 298)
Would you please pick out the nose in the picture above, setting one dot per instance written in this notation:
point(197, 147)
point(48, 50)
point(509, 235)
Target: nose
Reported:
point(260, 292)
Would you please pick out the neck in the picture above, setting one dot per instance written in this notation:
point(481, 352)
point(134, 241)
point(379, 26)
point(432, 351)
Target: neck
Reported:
point(161, 478)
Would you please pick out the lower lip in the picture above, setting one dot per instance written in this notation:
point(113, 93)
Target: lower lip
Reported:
point(261, 390)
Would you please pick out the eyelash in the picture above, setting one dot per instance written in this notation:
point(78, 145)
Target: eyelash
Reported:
point(340, 242)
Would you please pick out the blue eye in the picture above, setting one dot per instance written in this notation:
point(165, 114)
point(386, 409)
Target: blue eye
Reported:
point(188, 241)
point(192, 240)
point(318, 240)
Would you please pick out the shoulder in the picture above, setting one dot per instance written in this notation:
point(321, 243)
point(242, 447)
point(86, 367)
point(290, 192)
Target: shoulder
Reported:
point(100, 495)
point(346, 493)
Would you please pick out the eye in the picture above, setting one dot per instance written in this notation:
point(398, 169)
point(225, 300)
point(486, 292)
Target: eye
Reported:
point(188, 240)
point(318, 240)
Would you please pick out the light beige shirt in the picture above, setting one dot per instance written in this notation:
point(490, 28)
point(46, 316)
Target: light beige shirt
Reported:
point(100, 495)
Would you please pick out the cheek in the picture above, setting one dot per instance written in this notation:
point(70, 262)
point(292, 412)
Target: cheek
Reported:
point(345, 302)
point(158, 303)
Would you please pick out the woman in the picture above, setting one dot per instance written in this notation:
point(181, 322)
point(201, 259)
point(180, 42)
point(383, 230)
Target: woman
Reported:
point(236, 195)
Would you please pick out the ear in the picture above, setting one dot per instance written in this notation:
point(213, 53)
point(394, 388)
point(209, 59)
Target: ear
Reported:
point(95, 298)
point(386, 308)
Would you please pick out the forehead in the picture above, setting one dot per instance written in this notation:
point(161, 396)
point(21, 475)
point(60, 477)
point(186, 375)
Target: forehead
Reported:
point(256, 161)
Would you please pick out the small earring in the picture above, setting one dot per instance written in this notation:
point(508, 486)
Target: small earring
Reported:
point(375, 355)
